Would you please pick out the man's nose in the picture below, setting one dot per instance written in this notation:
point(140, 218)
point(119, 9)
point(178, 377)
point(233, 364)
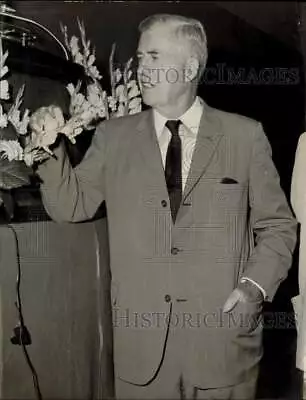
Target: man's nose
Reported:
point(145, 73)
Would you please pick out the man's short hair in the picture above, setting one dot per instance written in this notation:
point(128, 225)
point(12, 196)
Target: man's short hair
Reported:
point(183, 27)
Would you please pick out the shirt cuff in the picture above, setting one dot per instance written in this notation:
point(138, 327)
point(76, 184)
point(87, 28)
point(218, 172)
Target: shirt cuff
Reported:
point(244, 278)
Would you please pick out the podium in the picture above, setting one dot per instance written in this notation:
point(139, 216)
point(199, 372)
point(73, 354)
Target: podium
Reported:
point(65, 299)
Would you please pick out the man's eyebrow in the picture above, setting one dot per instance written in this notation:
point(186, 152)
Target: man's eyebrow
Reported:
point(151, 52)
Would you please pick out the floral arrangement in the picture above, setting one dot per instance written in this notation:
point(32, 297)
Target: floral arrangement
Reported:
point(89, 104)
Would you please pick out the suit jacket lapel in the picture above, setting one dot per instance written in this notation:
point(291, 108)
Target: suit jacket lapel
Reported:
point(208, 138)
point(148, 148)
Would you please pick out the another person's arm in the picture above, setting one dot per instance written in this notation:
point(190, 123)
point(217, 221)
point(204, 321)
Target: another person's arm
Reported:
point(298, 182)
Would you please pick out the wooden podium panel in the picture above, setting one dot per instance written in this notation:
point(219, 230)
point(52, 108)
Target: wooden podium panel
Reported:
point(64, 292)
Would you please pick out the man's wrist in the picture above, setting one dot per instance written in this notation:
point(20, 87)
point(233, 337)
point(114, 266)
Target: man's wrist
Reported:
point(252, 292)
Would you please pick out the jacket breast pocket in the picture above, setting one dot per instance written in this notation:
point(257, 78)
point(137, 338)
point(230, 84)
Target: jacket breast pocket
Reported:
point(230, 196)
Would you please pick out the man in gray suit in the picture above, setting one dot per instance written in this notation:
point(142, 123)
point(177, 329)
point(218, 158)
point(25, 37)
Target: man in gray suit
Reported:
point(200, 231)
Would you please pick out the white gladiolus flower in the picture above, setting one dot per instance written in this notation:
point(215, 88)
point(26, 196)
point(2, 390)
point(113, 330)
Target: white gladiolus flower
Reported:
point(120, 111)
point(78, 59)
point(71, 89)
point(117, 75)
point(93, 90)
point(21, 125)
point(91, 59)
point(3, 57)
point(3, 119)
point(77, 102)
point(71, 130)
point(64, 30)
point(101, 113)
point(74, 45)
point(58, 115)
point(4, 90)
point(3, 71)
point(14, 114)
point(46, 123)
point(85, 108)
point(135, 103)
point(11, 150)
point(94, 73)
point(120, 93)
point(134, 89)
point(131, 84)
point(112, 103)
point(96, 98)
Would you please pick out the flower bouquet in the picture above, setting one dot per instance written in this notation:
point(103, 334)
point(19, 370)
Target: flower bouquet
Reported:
point(34, 133)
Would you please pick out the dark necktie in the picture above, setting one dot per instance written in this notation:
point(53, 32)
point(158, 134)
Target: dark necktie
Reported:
point(173, 168)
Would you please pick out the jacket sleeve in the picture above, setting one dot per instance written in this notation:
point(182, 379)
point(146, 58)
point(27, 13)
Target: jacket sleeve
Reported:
point(271, 221)
point(298, 182)
point(74, 194)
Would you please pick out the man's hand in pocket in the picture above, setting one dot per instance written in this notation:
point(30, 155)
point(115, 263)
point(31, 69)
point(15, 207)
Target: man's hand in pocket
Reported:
point(245, 302)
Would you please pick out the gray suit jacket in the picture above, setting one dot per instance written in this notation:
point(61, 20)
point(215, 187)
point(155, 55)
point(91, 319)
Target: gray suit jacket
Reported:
point(187, 270)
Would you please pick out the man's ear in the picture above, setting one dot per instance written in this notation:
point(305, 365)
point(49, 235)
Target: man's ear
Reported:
point(192, 69)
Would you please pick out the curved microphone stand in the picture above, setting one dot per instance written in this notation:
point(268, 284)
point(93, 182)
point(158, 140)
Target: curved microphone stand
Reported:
point(8, 12)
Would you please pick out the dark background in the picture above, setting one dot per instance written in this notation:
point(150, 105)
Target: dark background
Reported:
point(249, 37)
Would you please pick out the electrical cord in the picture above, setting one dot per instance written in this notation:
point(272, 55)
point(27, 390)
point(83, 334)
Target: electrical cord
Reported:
point(21, 334)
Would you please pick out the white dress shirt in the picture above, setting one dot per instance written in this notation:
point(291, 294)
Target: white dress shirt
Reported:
point(188, 131)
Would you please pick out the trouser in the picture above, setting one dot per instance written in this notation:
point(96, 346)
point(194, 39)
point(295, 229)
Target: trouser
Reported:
point(171, 382)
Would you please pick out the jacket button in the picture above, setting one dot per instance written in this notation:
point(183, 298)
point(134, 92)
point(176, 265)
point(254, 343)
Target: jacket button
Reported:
point(167, 298)
point(164, 203)
point(174, 250)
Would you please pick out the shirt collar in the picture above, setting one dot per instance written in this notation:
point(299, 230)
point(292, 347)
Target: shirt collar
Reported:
point(191, 118)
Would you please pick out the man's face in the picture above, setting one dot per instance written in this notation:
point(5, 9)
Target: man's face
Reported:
point(162, 64)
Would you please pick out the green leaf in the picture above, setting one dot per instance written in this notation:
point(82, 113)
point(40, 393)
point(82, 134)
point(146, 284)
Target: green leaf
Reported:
point(13, 174)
